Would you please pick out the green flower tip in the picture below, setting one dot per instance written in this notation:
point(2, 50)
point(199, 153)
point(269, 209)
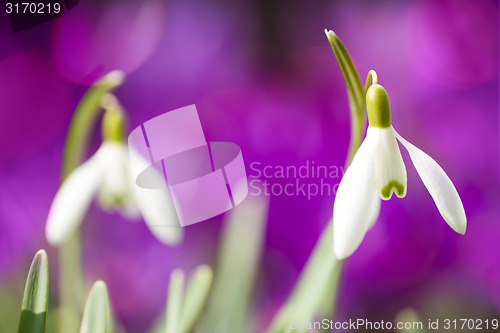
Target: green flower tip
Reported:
point(393, 187)
point(373, 75)
point(177, 275)
point(41, 255)
point(377, 105)
point(97, 313)
point(100, 285)
point(204, 272)
point(112, 79)
point(99, 291)
point(332, 37)
point(109, 101)
point(113, 120)
point(35, 297)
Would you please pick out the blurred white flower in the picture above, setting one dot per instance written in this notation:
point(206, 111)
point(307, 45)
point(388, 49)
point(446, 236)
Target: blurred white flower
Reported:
point(377, 171)
point(107, 175)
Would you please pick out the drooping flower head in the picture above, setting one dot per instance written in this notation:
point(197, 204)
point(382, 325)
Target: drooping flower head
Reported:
point(107, 176)
point(377, 171)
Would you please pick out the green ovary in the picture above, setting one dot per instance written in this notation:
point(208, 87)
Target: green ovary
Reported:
point(386, 190)
point(378, 107)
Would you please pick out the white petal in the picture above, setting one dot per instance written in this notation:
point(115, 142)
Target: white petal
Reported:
point(130, 211)
point(116, 191)
point(352, 214)
point(374, 210)
point(157, 208)
point(73, 199)
point(116, 180)
point(117, 170)
point(439, 185)
point(159, 214)
point(390, 171)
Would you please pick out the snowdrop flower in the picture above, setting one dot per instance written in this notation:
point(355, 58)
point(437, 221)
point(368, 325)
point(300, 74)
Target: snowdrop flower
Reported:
point(377, 171)
point(107, 175)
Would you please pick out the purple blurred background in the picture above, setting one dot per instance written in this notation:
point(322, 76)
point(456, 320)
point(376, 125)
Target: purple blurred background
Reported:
point(263, 76)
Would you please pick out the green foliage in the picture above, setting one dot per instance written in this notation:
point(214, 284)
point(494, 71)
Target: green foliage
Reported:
point(236, 270)
point(355, 92)
point(36, 295)
point(197, 291)
point(184, 310)
point(97, 313)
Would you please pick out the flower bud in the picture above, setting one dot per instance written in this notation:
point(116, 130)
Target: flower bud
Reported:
point(378, 107)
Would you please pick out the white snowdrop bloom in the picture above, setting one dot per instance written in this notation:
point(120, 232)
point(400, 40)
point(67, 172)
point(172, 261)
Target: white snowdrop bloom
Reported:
point(377, 171)
point(107, 175)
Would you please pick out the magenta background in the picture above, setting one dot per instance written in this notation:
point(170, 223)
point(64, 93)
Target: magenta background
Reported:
point(263, 76)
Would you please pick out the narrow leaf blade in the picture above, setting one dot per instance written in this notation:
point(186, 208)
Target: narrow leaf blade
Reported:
point(355, 91)
point(236, 270)
point(97, 313)
point(346, 65)
point(174, 304)
point(195, 298)
point(351, 68)
point(36, 295)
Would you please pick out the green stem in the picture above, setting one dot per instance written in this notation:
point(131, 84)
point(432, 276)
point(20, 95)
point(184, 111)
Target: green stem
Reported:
point(313, 284)
point(321, 276)
point(83, 121)
point(75, 148)
point(70, 284)
point(113, 122)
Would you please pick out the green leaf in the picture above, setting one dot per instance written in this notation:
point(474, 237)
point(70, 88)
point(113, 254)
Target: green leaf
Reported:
point(195, 298)
point(36, 296)
point(346, 65)
point(355, 91)
point(239, 257)
point(174, 304)
point(97, 313)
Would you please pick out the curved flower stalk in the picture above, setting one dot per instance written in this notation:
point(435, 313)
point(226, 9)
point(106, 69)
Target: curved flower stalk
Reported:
point(377, 171)
point(320, 278)
point(107, 175)
point(75, 148)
